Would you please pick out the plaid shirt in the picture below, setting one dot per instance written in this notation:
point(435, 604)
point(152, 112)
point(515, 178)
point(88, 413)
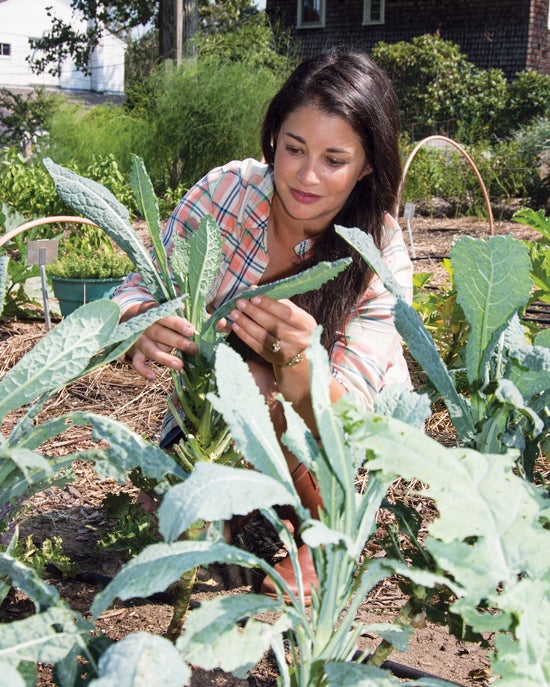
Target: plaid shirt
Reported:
point(238, 196)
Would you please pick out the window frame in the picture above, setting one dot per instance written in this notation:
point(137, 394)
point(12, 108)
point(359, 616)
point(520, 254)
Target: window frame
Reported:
point(2, 47)
point(301, 24)
point(367, 13)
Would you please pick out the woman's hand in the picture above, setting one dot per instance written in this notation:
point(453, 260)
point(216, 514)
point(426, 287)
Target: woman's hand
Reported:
point(276, 330)
point(158, 342)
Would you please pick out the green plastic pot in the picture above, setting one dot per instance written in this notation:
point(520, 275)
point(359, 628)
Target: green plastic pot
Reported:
point(72, 293)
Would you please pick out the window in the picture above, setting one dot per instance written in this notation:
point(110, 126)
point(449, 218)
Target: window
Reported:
point(5, 49)
point(373, 12)
point(311, 13)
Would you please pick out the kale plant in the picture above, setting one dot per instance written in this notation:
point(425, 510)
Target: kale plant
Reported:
point(493, 561)
point(504, 404)
point(193, 266)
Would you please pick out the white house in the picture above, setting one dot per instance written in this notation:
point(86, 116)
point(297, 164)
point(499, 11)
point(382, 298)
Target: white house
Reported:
point(24, 19)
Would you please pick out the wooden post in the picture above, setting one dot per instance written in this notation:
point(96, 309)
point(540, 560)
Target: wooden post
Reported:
point(178, 22)
point(178, 14)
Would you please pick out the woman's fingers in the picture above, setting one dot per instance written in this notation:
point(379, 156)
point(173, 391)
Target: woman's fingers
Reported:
point(172, 330)
point(157, 344)
point(274, 329)
point(167, 337)
point(140, 365)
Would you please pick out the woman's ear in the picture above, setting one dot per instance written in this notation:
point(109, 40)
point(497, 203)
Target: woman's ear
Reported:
point(367, 169)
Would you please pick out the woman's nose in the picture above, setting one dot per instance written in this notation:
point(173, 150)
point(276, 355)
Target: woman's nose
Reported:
point(307, 174)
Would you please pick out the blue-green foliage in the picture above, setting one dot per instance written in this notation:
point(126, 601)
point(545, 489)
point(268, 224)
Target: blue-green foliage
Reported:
point(508, 378)
point(488, 548)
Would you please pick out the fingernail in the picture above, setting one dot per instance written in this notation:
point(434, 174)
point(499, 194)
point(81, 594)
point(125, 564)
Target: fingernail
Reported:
point(234, 314)
point(256, 300)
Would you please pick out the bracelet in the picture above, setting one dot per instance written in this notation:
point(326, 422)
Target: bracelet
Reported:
point(298, 358)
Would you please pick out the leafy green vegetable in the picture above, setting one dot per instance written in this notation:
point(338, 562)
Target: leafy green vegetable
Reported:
point(95, 202)
point(499, 409)
point(489, 292)
point(491, 562)
point(308, 280)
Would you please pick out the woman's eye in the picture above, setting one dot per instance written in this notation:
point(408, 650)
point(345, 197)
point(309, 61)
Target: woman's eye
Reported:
point(333, 162)
point(293, 150)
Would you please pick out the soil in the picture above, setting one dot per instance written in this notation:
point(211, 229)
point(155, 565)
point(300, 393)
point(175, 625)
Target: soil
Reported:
point(75, 511)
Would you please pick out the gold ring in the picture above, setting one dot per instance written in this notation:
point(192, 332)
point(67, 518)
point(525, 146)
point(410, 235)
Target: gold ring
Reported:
point(275, 346)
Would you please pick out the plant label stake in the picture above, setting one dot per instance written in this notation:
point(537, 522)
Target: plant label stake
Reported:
point(41, 253)
point(408, 214)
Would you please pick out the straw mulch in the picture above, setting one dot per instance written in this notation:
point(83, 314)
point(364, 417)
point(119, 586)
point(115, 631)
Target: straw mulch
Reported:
point(114, 390)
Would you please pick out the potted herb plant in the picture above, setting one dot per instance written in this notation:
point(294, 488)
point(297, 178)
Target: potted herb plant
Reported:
point(88, 268)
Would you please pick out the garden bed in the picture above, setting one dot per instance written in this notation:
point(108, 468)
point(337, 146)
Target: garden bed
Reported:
point(76, 513)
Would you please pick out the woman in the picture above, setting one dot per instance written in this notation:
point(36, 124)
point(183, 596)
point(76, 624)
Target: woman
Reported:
point(330, 145)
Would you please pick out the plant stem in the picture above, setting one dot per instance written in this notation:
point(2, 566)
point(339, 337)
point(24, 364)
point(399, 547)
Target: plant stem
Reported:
point(181, 393)
point(186, 464)
point(183, 588)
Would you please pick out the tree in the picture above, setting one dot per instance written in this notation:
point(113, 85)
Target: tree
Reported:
point(178, 22)
point(236, 30)
point(24, 117)
point(116, 16)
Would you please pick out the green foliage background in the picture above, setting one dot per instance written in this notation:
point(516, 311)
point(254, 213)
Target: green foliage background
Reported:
point(183, 122)
point(440, 91)
point(200, 116)
point(490, 563)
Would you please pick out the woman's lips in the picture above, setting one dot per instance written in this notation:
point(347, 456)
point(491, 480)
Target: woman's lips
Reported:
point(303, 197)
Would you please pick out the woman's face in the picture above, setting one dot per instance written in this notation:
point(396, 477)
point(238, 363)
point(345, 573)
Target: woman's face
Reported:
point(318, 160)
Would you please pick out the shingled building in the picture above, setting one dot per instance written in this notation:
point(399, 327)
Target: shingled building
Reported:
point(512, 35)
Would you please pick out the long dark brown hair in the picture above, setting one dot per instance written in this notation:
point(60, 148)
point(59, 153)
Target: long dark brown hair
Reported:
point(346, 83)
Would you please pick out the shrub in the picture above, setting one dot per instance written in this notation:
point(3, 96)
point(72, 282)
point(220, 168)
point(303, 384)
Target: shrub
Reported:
point(24, 118)
point(106, 170)
point(434, 172)
point(440, 91)
point(200, 116)
point(429, 75)
point(534, 138)
point(441, 171)
point(480, 107)
point(509, 171)
point(529, 98)
point(534, 142)
point(26, 186)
